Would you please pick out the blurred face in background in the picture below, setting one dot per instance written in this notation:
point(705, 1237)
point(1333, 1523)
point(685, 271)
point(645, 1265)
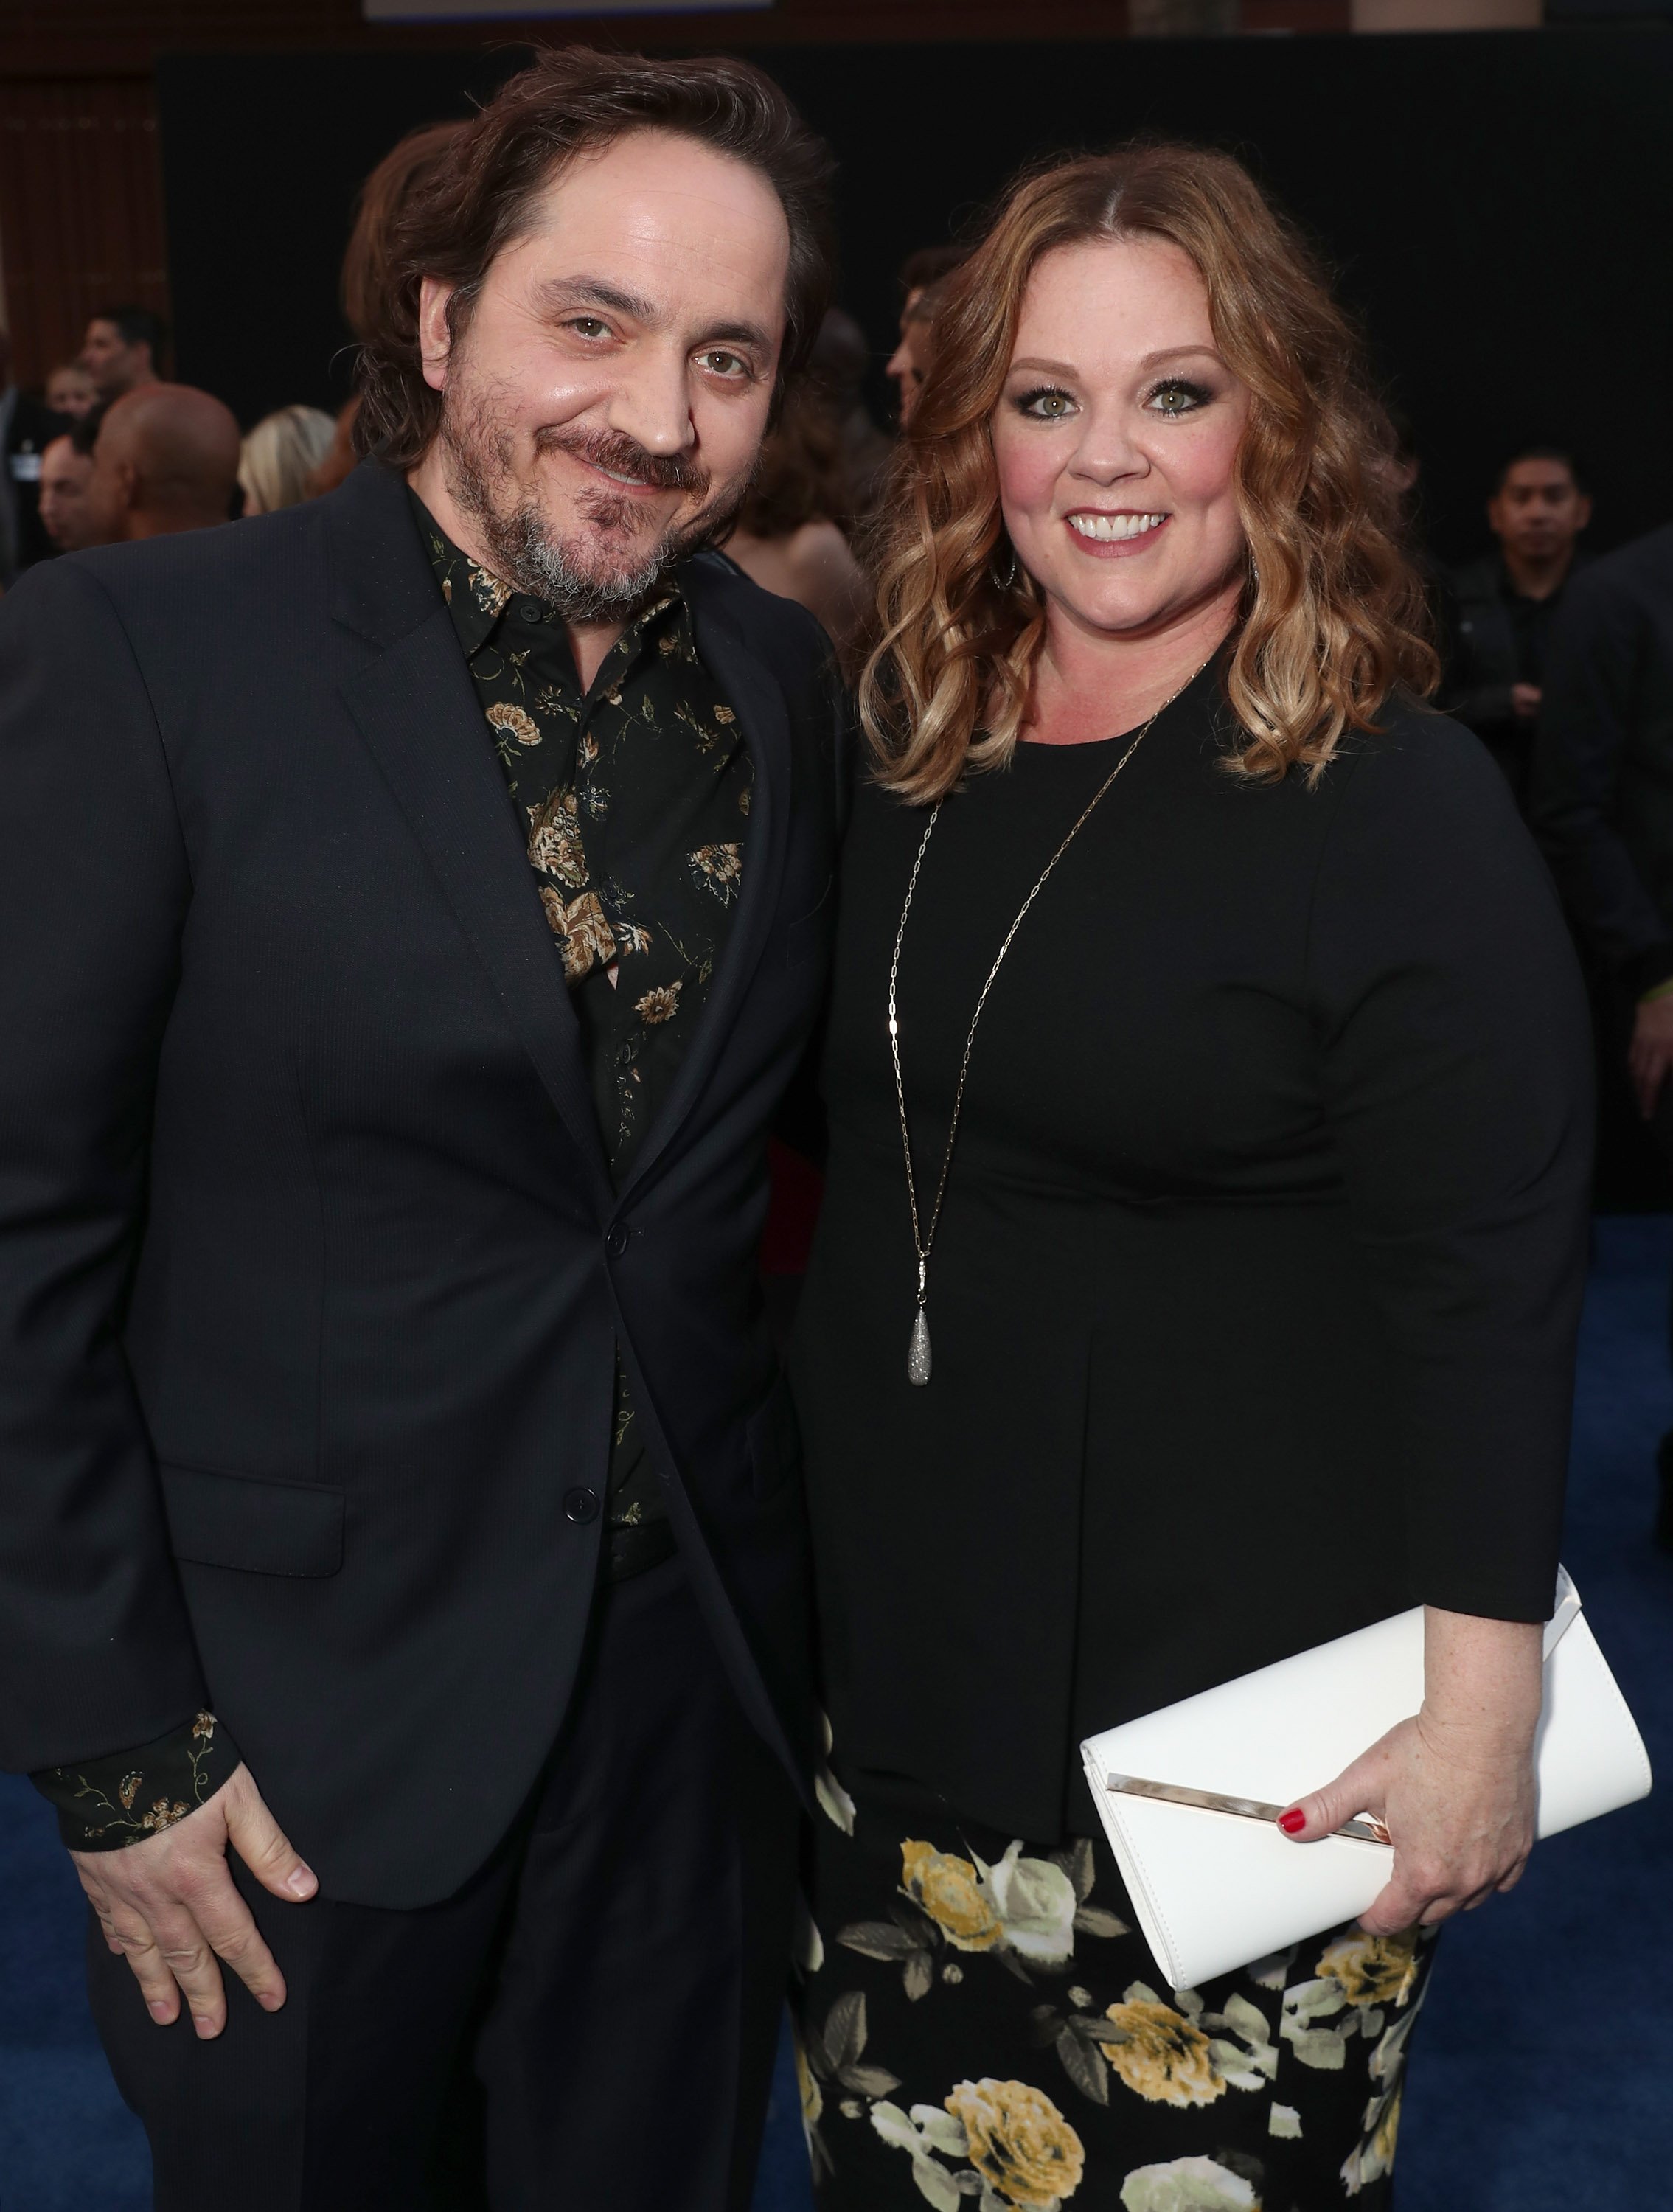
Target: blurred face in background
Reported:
point(66, 511)
point(605, 405)
point(113, 364)
point(1115, 440)
point(1538, 510)
point(71, 391)
point(909, 358)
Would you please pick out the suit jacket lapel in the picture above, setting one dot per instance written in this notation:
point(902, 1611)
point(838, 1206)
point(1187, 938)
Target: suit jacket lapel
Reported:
point(418, 711)
point(755, 697)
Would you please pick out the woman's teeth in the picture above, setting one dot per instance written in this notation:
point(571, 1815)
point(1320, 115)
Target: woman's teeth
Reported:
point(1107, 528)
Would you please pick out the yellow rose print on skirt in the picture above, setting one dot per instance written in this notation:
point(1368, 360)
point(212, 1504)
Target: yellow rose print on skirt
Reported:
point(951, 1892)
point(1019, 2141)
point(1373, 1970)
point(1159, 2053)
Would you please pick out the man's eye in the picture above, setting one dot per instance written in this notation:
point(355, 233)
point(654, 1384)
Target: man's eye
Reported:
point(723, 363)
point(589, 327)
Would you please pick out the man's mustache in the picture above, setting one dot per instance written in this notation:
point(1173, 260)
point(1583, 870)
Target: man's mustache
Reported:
point(626, 457)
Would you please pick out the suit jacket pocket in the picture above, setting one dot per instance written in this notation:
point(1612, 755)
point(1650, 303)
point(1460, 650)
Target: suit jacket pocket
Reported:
point(264, 1527)
point(773, 1440)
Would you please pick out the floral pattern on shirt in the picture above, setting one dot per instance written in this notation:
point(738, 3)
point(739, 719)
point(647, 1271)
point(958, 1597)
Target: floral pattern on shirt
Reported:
point(631, 799)
point(106, 1804)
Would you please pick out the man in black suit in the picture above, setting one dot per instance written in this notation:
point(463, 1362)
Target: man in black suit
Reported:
point(1503, 608)
point(415, 904)
point(26, 429)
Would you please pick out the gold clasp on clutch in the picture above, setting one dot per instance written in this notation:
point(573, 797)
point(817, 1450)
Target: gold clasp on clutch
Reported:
point(1366, 1828)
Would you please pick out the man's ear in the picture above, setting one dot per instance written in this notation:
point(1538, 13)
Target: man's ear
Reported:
point(1584, 510)
point(436, 337)
point(125, 475)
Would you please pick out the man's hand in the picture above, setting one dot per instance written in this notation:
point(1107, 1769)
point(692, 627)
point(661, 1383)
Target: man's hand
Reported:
point(169, 1907)
point(1524, 701)
point(1650, 1057)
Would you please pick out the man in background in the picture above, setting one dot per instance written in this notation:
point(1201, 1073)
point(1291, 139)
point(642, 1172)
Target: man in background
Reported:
point(66, 486)
point(166, 458)
point(27, 429)
point(1505, 606)
point(122, 350)
point(1600, 803)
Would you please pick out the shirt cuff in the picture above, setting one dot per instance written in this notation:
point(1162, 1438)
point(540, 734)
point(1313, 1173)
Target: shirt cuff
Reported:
point(106, 1804)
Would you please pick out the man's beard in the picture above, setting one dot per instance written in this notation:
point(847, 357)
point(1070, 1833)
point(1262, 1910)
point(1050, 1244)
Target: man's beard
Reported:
point(583, 576)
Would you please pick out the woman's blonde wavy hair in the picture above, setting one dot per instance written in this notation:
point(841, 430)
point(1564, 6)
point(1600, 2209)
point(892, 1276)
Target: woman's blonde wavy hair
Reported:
point(1333, 614)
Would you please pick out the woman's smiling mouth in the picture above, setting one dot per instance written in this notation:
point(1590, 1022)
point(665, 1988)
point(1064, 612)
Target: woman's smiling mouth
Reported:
point(1113, 529)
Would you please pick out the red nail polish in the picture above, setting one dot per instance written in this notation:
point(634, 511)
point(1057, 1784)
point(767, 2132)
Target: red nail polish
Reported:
point(1292, 1822)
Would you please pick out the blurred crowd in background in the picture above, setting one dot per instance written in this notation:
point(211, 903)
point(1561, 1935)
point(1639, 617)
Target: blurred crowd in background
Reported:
point(1563, 665)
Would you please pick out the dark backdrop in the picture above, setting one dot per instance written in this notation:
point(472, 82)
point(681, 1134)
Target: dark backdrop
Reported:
point(1500, 208)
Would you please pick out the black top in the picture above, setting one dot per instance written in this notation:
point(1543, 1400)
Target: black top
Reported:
point(1601, 800)
point(312, 1269)
point(1254, 1301)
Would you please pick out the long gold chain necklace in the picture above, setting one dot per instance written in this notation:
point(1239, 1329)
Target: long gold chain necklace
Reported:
point(918, 1363)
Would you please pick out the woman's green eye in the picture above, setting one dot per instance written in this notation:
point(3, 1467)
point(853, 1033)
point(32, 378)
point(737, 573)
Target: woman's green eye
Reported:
point(1049, 406)
point(1178, 398)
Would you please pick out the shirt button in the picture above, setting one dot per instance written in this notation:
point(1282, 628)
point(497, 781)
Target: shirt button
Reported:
point(616, 1242)
point(532, 610)
point(582, 1504)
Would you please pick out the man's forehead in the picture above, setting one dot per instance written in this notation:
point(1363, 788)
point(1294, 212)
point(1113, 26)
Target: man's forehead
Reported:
point(654, 211)
point(1539, 476)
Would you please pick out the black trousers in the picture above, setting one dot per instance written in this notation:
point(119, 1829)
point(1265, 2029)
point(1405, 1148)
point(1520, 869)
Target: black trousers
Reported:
point(590, 2023)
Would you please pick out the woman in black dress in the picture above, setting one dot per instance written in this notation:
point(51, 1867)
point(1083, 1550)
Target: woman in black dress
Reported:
point(1247, 1315)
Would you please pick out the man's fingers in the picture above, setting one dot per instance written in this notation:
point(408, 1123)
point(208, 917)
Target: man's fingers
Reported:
point(230, 1929)
point(256, 1837)
point(128, 1935)
point(187, 1954)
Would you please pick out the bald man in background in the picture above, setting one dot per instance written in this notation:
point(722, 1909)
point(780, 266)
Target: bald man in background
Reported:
point(165, 459)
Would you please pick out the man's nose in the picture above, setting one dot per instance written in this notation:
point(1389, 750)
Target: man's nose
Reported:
point(651, 404)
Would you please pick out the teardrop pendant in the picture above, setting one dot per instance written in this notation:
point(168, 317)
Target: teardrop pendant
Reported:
point(917, 1352)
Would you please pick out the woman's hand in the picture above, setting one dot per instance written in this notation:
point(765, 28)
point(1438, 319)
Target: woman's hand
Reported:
point(1454, 1785)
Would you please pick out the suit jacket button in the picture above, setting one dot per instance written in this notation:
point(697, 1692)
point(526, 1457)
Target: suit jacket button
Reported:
point(616, 1242)
point(582, 1504)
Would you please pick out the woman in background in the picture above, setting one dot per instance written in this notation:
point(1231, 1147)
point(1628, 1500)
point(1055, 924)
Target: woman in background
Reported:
point(1203, 1241)
point(280, 456)
point(789, 535)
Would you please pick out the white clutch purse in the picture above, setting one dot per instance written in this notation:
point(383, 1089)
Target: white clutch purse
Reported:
point(1189, 1795)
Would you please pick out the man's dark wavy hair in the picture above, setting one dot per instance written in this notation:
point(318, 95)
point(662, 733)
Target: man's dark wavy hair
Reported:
point(483, 195)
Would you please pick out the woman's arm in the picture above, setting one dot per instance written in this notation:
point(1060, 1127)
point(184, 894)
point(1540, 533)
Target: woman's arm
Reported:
point(1454, 1785)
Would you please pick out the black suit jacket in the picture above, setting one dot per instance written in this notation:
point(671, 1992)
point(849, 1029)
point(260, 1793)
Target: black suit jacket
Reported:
point(310, 1264)
point(1601, 800)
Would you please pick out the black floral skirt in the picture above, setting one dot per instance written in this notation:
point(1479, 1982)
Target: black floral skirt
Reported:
point(979, 2025)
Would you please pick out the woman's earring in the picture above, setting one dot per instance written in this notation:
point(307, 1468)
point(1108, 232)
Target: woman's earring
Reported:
point(1007, 582)
point(1254, 574)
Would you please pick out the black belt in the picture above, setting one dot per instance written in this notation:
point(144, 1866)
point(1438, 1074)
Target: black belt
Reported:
point(633, 1547)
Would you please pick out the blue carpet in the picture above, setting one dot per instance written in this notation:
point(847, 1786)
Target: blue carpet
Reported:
point(1538, 2083)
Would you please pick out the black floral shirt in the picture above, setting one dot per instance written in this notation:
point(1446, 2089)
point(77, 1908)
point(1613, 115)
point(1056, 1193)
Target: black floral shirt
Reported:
point(634, 796)
point(634, 799)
